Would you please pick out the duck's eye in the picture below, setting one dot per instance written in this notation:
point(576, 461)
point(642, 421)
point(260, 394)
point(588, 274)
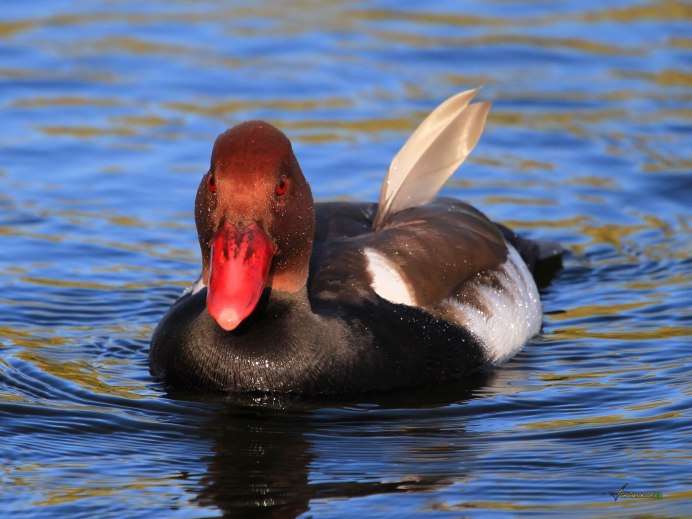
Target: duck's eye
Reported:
point(281, 185)
point(211, 182)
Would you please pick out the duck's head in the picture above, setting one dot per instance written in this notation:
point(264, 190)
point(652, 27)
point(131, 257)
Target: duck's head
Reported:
point(255, 220)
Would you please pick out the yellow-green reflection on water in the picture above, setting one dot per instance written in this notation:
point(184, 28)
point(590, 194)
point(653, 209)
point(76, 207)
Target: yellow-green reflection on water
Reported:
point(230, 107)
point(85, 375)
point(581, 332)
point(86, 132)
point(595, 421)
point(43, 102)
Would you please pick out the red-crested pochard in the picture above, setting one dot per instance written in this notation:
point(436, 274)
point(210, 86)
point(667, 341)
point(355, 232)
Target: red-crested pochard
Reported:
point(347, 297)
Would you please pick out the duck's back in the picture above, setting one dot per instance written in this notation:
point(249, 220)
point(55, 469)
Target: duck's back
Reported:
point(445, 259)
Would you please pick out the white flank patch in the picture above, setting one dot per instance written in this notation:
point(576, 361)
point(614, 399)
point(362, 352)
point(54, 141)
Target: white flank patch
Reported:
point(387, 281)
point(194, 288)
point(514, 310)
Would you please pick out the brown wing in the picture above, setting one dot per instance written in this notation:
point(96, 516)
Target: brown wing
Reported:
point(435, 247)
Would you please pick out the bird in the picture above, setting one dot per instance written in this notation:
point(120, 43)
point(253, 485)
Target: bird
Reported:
point(334, 298)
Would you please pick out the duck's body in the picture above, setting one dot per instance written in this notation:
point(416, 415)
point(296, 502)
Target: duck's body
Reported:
point(340, 297)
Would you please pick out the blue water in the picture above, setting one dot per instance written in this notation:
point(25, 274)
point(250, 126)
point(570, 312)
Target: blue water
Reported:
point(108, 113)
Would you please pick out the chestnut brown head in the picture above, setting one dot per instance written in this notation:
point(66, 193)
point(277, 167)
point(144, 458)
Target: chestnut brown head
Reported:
point(255, 220)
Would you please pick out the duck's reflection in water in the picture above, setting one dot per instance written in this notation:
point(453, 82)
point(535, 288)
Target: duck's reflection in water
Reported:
point(274, 455)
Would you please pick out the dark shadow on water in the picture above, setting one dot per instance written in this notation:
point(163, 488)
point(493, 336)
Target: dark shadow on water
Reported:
point(265, 447)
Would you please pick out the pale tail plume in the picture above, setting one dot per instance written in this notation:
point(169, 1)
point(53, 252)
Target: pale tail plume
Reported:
point(432, 154)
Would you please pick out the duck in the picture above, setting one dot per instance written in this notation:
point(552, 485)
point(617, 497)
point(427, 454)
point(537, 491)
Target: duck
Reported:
point(334, 298)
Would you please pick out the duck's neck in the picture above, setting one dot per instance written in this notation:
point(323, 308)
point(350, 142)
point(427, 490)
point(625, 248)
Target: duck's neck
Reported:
point(298, 299)
point(289, 279)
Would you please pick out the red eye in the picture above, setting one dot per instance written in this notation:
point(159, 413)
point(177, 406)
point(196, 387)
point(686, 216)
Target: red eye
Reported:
point(281, 185)
point(211, 182)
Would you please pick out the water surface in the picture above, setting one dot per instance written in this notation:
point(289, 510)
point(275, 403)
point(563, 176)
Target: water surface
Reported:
point(109, 111)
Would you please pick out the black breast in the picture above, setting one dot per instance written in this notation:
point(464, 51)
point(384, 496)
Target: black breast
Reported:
point(285, 347)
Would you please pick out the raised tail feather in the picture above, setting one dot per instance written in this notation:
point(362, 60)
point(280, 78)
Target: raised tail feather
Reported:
point(432, 154)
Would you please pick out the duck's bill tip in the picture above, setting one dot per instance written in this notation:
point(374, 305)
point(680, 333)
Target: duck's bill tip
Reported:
point(228, 319)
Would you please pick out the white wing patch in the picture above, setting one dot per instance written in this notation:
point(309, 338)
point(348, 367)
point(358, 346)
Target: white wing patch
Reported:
point(513, 315)
point(387, 281)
